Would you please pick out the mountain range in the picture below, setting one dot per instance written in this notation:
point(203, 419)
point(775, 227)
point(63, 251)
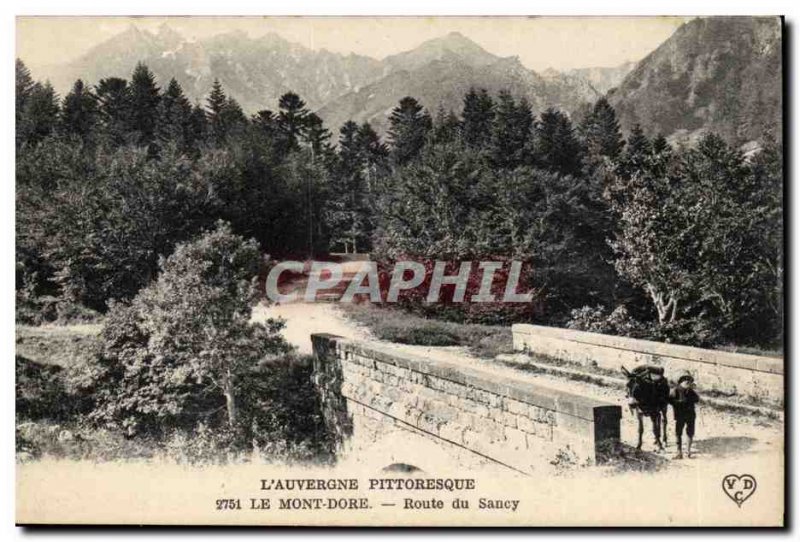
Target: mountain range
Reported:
point(721, 74)
point(712, 73)
point(257, 71)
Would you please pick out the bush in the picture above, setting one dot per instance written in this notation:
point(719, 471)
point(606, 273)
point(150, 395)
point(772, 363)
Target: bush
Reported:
point(281, 414)
point(596, 320)
point(698, 332)
point(40, 391)
point(175, 355)
point(428, 335)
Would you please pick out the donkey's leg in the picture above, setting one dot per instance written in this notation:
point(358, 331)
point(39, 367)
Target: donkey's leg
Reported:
point(664, 425)
point(656, 419)
point(639, 418)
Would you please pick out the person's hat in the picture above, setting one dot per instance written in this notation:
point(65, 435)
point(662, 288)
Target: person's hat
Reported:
point(686, 378)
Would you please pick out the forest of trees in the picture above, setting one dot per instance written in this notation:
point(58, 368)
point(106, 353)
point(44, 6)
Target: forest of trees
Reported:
point(623, 233)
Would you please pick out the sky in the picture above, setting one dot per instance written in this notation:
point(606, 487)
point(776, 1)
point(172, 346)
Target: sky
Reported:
point(540, 42)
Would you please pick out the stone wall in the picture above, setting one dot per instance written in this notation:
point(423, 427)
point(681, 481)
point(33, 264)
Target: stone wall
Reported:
point(368, 388)
point(744, 376)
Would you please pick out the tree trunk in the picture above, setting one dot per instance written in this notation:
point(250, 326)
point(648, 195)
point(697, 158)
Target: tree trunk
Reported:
point(230, 399)
point(667, 309)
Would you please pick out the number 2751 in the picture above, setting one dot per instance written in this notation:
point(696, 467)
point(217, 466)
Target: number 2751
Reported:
point(229, 504)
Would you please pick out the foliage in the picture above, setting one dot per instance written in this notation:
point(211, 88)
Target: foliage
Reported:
point(174, 356)
point(410, 124)
point(40, 391)
point(110, 178)
point(700, 232)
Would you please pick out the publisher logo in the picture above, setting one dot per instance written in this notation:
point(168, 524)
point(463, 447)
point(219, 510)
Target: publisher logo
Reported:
point(739, 487)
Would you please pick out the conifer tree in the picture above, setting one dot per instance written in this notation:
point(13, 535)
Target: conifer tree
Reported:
point(233, 117)
point(144, 100)
point(317, 136)
point(374, 155)
point(266, 122)
point(638, 144)
point(409, 126)
point(601, 131)
point(292, 119)
point(660, 144)
point(445, 126)
point(510, 131)
point(637, 152)
point(198, 126)
point(23, 87)
point(114, 107)
point(79, 113)
point(556, 147)
point(216, 99)
point(347, 214)
point(39, 115)
point(224, 114)
point(477, 117)
point(175, 117)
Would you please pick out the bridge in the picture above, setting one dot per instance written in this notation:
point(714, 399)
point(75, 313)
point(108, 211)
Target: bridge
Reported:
point(396, 408)
point(391, 407)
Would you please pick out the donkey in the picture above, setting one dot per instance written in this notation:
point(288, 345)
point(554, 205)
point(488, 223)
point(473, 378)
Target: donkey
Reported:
point(648, 395)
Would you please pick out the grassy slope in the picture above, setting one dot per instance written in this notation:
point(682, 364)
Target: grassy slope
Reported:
point(401, 327)
point(55, 345)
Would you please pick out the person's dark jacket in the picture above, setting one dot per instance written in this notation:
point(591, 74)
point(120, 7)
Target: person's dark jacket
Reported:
point(683, 401)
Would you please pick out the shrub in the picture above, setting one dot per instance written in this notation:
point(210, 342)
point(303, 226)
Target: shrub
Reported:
point(175, 355)
point(40, 391)
point(698, 332)
point(596, 320)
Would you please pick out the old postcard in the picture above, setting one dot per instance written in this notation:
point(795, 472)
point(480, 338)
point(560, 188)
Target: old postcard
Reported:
point(418, 271)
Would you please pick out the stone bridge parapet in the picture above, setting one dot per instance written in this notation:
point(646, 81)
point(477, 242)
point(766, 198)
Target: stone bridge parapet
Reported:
point(743, 376)
point(368, 388)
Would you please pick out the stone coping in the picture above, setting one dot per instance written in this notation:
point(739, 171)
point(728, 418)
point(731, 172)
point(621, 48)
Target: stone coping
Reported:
point(700, 355)
point(526, 392)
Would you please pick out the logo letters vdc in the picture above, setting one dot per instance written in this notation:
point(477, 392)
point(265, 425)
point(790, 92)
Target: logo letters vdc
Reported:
point(739, 488)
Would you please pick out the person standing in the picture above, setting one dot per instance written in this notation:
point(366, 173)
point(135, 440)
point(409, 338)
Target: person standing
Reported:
point(683, 399)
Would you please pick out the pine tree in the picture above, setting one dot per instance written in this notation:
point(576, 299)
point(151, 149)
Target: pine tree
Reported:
point(114, 105)
point(555, 147)
point(233, 117)
point(144, 100)
point(198, 127)
point(445, 126)
point(638, 144)
point(79, 113)
point(175, 117)
point(24, 86)
point(637, 153)
point(601, 131)
point(223, 114)
point(317, 136)
point(216, 99)
point(660, 144)
point(374, 155)
point(39, 115)
point(477, 117)
point(346, 210)
point(266, 122)
point(291, 119)
point(409, 126)
point(510, 131)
